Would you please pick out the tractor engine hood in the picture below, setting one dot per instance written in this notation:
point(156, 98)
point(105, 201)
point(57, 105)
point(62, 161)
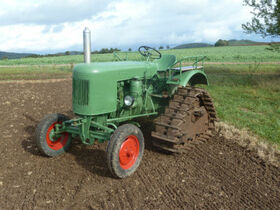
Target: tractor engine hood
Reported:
point(94, 89)
point(117, 70)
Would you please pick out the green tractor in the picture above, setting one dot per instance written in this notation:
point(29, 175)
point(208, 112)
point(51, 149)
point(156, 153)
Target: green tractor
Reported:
point(108, 98)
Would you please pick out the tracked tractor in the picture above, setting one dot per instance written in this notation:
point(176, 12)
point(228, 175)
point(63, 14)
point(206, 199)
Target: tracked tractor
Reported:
point(108, 98)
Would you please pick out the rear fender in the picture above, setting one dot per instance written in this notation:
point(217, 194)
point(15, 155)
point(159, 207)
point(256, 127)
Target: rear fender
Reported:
point(193, 77)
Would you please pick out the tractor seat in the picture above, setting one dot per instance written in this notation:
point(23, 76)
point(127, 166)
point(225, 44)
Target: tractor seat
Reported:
point(165, 62)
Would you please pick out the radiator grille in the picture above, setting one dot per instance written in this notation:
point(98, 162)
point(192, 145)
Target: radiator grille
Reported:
point(80, 92)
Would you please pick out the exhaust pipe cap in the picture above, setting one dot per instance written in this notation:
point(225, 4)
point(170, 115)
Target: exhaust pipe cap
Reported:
point(87, 45)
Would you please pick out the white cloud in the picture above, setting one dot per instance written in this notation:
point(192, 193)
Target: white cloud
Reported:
point(57, 25)
point(49, 11)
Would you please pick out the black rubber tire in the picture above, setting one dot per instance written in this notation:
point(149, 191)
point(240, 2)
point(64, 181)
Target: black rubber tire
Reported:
point(41, 132)
point(113, 149)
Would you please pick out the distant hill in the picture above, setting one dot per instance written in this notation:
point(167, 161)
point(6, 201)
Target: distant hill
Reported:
point(245, 42)
point(192, 45)
point(234, 42)
point(11, 55)
point(76, 52)
point(231, 42)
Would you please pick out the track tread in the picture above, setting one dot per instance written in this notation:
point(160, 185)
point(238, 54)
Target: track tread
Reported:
point(168, 134)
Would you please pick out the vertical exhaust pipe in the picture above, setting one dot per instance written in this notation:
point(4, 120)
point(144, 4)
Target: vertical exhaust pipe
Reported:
point(87, 45)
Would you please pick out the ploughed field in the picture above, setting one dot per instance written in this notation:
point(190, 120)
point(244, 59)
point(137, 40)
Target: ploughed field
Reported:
point(215, 174)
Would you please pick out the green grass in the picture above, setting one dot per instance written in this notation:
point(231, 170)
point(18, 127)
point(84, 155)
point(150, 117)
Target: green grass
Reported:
point(34, 72)
point(214, 54)
point(255, 68)
point(248, 99)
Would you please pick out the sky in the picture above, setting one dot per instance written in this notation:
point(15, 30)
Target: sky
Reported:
point(57, 25)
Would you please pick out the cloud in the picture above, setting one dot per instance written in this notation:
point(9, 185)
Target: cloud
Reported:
point(49, 11)
point(49, 25)
point(171, 22)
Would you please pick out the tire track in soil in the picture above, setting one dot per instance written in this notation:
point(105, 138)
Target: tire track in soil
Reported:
point(29, 200)
point(194, 176)
point(232, 180)
point(153, 184)
point(160, 170)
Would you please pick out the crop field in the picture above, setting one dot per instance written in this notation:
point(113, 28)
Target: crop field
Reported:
point(221, 173)
point(214, 54)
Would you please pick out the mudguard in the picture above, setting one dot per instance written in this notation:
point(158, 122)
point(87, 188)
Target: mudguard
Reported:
point(192, 78)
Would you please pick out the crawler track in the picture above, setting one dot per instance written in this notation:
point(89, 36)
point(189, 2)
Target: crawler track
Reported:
point(189, 119)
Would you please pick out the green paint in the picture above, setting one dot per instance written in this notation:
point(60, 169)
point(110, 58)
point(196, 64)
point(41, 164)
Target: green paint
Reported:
point(193, 77)
point(99, 90)
point(103, 79)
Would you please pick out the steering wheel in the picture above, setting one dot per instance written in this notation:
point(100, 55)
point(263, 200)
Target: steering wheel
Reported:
point(149, 52)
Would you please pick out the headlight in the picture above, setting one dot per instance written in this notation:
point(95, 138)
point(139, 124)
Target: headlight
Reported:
point(128, 100)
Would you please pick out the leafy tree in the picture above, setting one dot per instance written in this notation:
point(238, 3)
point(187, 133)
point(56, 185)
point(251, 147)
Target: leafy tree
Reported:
point(221, 43)
point(129, 49)
point(274, 47)
point(167, 47)
point(4, 58)
point(266, 18)
point(33, 56)
point(67, 53)
point(161, 47)
point(106, 50)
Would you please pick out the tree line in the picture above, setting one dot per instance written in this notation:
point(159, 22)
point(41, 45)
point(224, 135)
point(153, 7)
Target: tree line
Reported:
point(102, 51)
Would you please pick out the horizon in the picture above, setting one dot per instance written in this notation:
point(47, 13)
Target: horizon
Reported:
point(135, 49)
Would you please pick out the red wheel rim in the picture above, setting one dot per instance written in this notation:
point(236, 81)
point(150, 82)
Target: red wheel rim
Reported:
point(129, 152)
point(58, 143)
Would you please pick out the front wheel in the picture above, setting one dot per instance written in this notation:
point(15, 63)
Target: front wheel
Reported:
point(47, 142)
point(125, 150)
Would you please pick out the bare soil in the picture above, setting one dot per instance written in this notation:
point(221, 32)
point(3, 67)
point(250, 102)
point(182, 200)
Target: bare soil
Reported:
point(217, 174)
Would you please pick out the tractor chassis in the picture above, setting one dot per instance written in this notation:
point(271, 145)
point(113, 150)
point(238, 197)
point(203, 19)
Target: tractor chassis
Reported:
point(89, 130)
